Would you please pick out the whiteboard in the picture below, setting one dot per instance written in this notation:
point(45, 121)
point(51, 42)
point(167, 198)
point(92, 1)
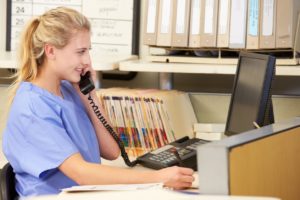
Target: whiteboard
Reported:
point(113, 21)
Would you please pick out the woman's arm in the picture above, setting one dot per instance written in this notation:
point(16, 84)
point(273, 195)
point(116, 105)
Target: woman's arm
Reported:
point(85, 173)
point(108, 146)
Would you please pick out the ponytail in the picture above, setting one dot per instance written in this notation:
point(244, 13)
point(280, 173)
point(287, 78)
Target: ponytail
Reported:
point(27, 65)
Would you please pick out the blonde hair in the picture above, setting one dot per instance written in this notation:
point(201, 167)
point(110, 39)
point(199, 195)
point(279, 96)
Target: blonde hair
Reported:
point(55, 27)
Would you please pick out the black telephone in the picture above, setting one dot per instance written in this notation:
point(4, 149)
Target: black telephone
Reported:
point(181, 152)
point(86, 83)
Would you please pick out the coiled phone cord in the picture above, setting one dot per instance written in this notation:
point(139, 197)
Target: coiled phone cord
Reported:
point(112, 133)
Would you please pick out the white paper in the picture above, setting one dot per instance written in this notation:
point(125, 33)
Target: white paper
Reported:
point(111, 21)
point(195, 17)
point(268, 16)
point(108, 9)
point(59, 2)
point(39, 9)
point(18, 20)
point(22, 1)
point(180, 16)
point(21, 9)
point(209, 16)
point(166, 16)
point(151, 16)
point(114, 187)
point(223, 16)
point(238, 22)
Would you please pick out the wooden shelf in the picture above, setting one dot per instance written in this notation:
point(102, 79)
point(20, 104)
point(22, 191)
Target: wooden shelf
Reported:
point(146, 66)
point(8, 61)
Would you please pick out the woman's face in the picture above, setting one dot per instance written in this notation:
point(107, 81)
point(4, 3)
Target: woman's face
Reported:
point(74, 58)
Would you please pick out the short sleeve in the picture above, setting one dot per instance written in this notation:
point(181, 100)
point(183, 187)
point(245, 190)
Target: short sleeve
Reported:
point(40, 137)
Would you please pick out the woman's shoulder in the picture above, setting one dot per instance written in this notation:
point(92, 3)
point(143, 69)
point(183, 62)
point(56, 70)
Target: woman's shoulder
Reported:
point(31, 97)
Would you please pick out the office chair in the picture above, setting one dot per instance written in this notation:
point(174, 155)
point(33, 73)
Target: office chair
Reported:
point(7, 183)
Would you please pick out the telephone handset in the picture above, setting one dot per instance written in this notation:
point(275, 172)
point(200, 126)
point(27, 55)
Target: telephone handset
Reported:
point(181, 152)
point(86, 83)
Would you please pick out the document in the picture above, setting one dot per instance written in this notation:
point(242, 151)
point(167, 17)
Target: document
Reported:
point(114, 187)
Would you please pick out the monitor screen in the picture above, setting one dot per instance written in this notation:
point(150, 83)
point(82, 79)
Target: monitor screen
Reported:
point(251, 102)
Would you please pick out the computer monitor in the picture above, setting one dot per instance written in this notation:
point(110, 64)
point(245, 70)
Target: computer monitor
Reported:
point(251, 103)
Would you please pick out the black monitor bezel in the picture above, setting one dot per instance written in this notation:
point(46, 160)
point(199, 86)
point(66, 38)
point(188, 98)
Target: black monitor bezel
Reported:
point(265, 111)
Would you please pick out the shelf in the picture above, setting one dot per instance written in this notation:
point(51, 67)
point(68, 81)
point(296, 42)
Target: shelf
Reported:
point(218, 61)
point(146, 66)
point(8, 61)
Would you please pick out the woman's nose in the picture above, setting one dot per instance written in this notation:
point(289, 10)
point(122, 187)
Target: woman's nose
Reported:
point(87, 59)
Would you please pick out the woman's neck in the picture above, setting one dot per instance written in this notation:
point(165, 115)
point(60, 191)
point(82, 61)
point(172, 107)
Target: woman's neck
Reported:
point(49, 82)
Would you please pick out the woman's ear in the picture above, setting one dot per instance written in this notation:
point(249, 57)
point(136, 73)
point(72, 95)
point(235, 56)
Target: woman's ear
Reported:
point(49, 51)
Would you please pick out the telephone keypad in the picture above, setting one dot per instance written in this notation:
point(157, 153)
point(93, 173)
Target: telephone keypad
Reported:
point(166, 156)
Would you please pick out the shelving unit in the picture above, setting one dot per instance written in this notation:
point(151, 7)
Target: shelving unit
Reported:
point(147, 66)
point(105, 63)
point(166, 70)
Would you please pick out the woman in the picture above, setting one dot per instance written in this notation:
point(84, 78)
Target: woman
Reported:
point(53, 139)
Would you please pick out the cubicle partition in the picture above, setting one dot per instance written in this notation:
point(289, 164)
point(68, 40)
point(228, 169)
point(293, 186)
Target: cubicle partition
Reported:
point(261, 162)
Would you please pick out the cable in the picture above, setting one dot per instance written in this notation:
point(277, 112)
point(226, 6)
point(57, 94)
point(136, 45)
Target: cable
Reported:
point(112, 133)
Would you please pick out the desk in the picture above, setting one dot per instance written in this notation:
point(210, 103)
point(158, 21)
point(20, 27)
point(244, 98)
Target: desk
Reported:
point(120, 163)
point(143, 195)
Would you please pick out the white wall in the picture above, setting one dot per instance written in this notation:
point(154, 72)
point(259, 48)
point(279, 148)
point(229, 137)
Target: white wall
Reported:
point(2, 24)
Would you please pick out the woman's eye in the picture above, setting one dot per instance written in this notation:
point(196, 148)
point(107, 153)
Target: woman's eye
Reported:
point(81, 52)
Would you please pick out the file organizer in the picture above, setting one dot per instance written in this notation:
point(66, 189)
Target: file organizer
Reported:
point(148, 119)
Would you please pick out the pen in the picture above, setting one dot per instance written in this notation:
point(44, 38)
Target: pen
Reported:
point(256, 125)
point(176, 154)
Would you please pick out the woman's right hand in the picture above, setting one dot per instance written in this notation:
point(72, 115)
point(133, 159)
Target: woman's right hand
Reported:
point(176, 177)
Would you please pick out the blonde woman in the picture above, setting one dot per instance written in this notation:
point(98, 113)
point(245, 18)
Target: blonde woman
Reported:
point(53, 138)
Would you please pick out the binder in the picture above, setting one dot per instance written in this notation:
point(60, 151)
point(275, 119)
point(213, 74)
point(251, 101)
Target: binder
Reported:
point(165, 16)
point(286, 23)
point(238, 24)
point(253, 24)
point(150, 21)
point(181, 23)
point(223, 23)
point(194, 34)
point(209, 12)
point(268, 23)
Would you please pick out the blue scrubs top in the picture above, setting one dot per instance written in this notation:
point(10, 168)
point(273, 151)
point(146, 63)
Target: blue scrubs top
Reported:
point(42, 131)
